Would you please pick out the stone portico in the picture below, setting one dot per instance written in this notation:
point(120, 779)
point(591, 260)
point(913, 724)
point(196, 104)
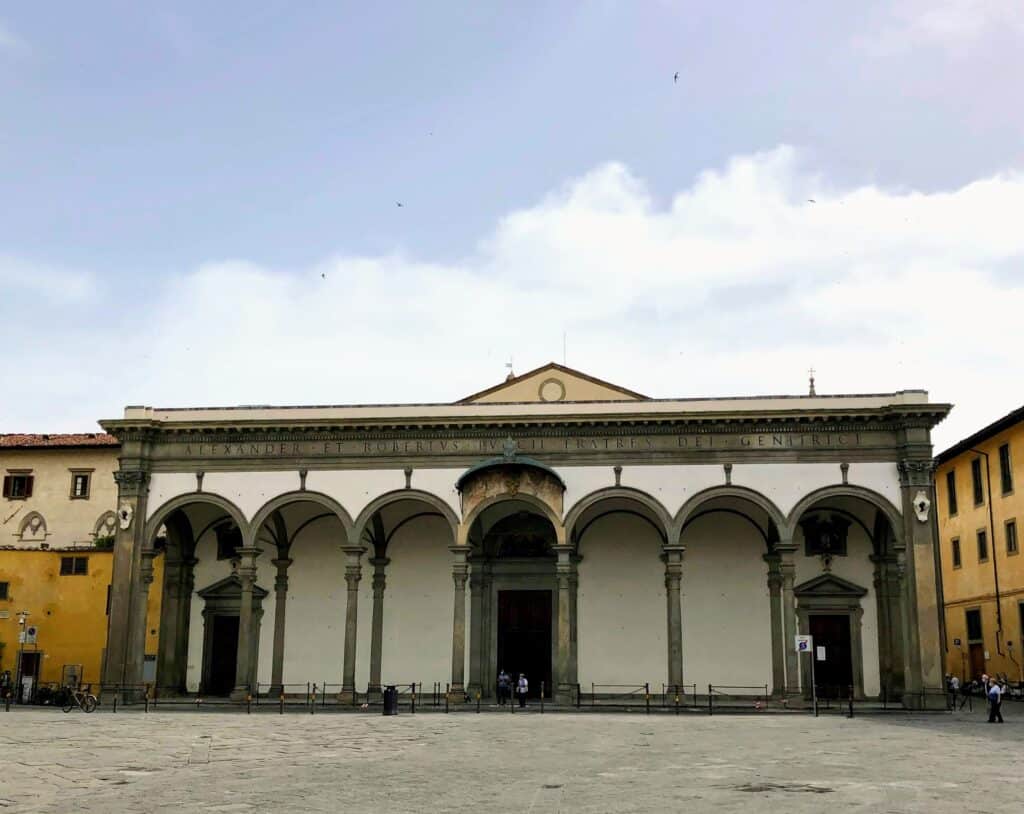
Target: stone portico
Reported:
point(555, 525)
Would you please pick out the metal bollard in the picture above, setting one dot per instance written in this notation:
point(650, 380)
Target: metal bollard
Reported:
point(447, 694)
point(248, 703)
point(647, 697)
point(478, 702)
point(281, 703)
point(711, 703)
point(542, 698)
point(7, 702)
point(412, 705)
point(115, 700)
point(312, 706)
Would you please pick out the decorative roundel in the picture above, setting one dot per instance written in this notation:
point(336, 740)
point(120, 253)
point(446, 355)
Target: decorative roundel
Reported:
point(551, 390)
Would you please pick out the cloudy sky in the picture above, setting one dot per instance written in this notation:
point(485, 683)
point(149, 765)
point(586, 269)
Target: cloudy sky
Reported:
point(200, 202)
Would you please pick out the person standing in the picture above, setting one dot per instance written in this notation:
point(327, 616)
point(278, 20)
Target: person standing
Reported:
point(522, 687)
point(954, 691)
point(504, 687)
point(995, 702)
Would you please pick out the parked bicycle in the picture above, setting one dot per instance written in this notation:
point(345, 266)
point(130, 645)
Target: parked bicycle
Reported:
point(83, 699)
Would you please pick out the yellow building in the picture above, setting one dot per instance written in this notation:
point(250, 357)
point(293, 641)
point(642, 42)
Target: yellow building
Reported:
point(57, 524)
point(979, 486)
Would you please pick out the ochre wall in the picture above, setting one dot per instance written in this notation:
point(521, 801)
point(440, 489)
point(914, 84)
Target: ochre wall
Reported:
point(69, 611)
point(972, 585)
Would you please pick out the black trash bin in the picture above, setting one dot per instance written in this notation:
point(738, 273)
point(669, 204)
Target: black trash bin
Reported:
point(390, 700)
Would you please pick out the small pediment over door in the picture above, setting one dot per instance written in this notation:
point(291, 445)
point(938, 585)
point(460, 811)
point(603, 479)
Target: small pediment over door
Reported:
point(828, 586)
point(230, 588)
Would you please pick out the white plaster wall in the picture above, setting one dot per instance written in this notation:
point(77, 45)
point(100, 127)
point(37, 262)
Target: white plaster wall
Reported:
point(726, 612)
point(786, 484)
point(249, 491)
point(166, 485)
point(314, 640)
point(858, 569)
point(621, 626)
point(209, 570)
point(418, 606)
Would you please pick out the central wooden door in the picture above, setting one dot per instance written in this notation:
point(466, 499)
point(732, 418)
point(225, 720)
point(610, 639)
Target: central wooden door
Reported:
point(524, 637)
point(834, 675)
point(220, 679)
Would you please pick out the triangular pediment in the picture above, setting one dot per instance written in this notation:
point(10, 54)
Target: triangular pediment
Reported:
point(829, 585)
point(552, 383)
point(230, 588)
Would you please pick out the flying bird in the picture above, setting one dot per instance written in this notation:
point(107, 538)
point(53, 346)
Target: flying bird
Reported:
point(676, 77)
point(398, 204)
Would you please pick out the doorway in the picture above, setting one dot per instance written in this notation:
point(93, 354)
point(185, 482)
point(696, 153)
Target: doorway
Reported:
point(220, 679)
point(834, 675)
point(29, 676)
point(524, 637)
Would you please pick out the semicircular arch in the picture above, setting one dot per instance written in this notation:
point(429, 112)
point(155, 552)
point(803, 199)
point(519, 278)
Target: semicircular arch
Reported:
point(399, 495)
point(741, 493)
point(536, 503)
point(159, 517)
point(626, 493)
point(879, 501)
point(302, 496)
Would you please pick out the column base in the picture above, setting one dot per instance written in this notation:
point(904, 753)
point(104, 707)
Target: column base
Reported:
point(240, 693)
point(347, 695)
point(275, 691)
point(565, 694)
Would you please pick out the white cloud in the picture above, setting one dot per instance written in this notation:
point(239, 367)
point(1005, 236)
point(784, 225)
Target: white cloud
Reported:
point(735, 286)
point(954, 25)
point(10, 42)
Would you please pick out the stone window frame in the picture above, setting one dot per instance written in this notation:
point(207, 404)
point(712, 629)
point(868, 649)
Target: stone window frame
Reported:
point(10, 479)
point(1009, 524)
point(1005, 469)
point(951, 500)
point(75, 475)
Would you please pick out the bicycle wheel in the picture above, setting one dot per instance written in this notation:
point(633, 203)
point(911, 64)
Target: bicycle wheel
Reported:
point(69, 705)
point(89, 703)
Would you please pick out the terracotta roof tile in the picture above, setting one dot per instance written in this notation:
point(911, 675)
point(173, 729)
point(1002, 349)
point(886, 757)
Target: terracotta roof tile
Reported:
point(75, 439)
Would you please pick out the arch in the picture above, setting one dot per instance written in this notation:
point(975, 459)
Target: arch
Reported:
point(35, 525)
point(508, 460)
point(692, 506)
point(521, 497)
point(106, 521)
point(621, 493)
point(399, 495)
point(288, 498)
point(846, 490)
point(159, 517)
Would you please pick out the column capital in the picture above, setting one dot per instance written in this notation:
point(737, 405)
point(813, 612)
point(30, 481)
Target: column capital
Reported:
point(672, 553)
point(353, 549)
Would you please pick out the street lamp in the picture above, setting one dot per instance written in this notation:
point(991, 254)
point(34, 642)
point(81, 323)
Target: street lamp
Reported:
point(22, 616)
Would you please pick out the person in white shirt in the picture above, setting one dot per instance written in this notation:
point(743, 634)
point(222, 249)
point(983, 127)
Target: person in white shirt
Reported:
point(522, 687)
point(995, 702)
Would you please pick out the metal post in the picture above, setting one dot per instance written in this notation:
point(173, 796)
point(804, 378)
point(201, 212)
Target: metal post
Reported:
point(312, 707)
point(710, 703)
point(115, 700)
point(577, 696)
point(145, 696)
point(542, 698)
point(280, 702)
point(478, 702)
point(851, 701)
point(647, 697)
point(412, 709)
point(248, 703)
point(447, 692)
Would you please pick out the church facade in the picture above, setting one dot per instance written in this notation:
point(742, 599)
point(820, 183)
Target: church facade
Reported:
point(554, 525)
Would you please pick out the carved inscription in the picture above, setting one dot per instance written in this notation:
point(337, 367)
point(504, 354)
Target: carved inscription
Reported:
point(360, 448)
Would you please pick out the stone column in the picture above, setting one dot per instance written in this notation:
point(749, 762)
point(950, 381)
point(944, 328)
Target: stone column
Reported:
point(565, 669)
point(672, 556)
point(280, 611)
point(775, 609)
point(380, 565)
point(786, 552)
point(922, 624)
point(894, 605)
point(460, 573)
point(120, 667)
point(353, 574)
point(246, 652)
point(170, 621)
point(140, 608)
point(476, 629)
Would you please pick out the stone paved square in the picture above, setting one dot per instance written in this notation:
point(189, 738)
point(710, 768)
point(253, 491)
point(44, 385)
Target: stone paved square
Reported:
point(232, 762)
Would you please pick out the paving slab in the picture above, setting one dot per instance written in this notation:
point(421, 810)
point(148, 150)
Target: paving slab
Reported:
point(232, 762)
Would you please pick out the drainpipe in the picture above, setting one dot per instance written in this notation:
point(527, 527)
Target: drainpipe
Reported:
point(995, 564)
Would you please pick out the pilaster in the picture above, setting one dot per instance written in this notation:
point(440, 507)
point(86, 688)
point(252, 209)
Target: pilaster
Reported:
point(353, 574)
point(280, 613)
point(565, 666)
point(775, 609)
point(380, 565)
point(246, 661)
point(786, 552)
point(460, 573)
